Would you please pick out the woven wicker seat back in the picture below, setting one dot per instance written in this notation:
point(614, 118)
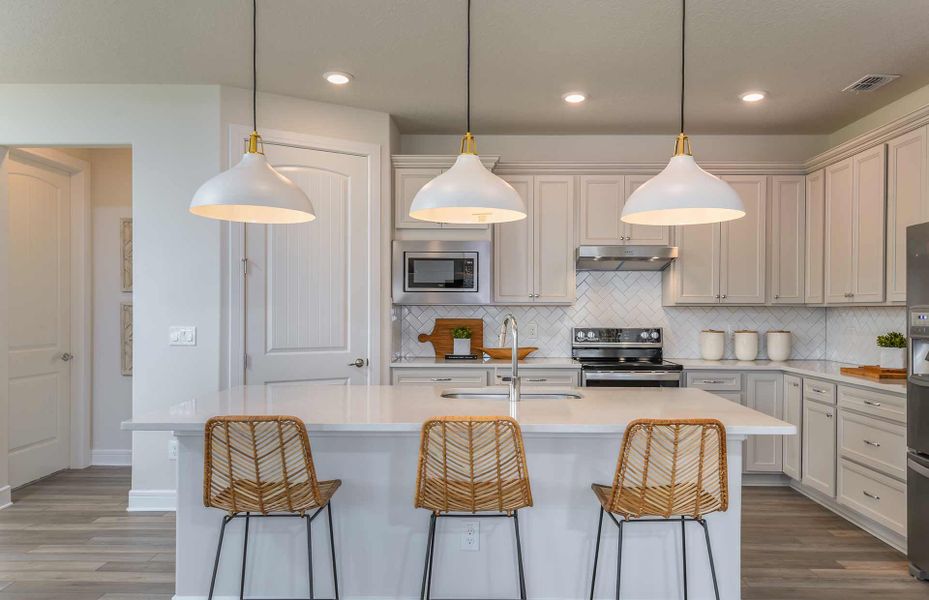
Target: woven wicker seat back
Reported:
point(669, 468)
point(472, 464)
point(261, 465)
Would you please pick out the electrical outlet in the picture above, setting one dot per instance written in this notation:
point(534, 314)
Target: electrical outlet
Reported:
point(532, 331)
point(172, 450)
point(471, 536)
point(182, 335)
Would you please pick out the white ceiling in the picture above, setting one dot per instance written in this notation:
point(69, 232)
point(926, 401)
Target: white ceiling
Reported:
point(408, 57)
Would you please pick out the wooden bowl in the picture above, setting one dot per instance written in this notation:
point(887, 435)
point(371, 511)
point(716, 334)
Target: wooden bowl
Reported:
point(507, 353)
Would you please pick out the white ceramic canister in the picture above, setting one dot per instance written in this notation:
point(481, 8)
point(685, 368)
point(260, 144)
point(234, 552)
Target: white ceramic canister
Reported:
point(746, 344)
point(712, 344)
point(778, 343)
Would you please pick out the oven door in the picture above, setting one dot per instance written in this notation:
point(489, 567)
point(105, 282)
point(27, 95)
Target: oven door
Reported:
point(593, 378)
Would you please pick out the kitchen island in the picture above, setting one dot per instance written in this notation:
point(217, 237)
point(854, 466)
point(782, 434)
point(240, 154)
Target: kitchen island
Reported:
point(368, 436)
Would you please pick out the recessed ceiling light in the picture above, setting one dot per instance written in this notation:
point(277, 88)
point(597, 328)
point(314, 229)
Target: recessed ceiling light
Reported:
point(338, 77)
point(574, 97)
point(753, 96)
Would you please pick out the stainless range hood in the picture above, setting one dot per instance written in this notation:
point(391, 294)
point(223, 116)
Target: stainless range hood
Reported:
point(624, 258)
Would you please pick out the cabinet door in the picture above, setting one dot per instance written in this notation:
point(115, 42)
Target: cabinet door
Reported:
point(764, 393)
point(406, 183)
point(599, 210)
point(788, 229)
point(644, 235)
point(513, 251)
point(839, 232)
point(553, 239)
point(742, 269)
point(814, 232)
point(907, 202)
point(696, 270)
point(793, 414)
point(818, 452)
point(870, 204)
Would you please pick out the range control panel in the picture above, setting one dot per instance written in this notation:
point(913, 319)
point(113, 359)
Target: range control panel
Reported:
point(604, 336)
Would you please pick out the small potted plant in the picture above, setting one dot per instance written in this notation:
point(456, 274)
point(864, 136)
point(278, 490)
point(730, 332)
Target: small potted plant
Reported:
point(893, 350)
point(461, 340)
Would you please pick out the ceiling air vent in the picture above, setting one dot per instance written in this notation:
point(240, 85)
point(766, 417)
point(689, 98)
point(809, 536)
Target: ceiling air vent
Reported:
point(869, 83)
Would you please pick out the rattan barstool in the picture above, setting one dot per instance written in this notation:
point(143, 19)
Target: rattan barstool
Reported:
point(471, 467)
point(262, 467)
point(667, 469)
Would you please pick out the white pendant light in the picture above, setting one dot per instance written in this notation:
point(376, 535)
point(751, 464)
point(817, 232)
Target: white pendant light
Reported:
point(253, 191)
point(683, 193)
point(468, 193)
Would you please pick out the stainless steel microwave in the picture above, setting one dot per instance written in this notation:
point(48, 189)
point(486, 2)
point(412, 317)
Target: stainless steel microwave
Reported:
point(438, 272)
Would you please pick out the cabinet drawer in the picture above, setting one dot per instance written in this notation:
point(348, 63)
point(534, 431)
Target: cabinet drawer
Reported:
point(875, 443)
point(714, 381)
point(458, 377)
point(821, 391)
point(874, 403)
point(537, 377)
point(875, 496)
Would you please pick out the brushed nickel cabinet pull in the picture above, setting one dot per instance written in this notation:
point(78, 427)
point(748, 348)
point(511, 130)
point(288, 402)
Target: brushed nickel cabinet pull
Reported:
point(870, 443)
point(872, 403)
point(871, 496)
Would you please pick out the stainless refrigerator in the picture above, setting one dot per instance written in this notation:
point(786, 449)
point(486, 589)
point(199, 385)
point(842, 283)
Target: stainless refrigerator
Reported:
point(917, 399)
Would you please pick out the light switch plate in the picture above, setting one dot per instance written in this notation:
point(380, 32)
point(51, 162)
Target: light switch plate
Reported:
point(182, 335)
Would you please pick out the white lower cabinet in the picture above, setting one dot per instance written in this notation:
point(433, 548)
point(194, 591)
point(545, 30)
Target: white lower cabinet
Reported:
point(793, 414)
point(540, 377)
point(764, 393)
point(818, 451)
point(874, 495)
point(452, 377)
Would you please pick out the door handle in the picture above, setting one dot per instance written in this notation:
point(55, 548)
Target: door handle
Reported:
point(67, 356)
point(359, 362)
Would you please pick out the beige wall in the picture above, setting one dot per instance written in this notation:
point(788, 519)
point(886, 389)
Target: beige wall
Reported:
point(882, 116)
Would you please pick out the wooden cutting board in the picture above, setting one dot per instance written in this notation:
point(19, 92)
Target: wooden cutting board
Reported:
point(441, 336)
point(874, 372)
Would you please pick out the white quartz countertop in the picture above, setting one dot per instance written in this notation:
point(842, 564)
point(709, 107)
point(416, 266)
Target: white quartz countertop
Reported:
point(526, 363)
point(403, 408)
point(822, 369)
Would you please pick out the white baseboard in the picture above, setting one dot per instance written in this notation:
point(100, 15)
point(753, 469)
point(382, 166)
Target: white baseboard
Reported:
point(111, 458)
point(765, 480)
point(152, 501)
point(6, 498)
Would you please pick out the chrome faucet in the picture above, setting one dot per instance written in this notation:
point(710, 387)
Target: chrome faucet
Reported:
point(510, 320)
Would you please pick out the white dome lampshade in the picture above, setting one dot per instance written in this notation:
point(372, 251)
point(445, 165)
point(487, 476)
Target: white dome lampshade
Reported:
point(683, 194)
point(468, 194)
point(252, 192)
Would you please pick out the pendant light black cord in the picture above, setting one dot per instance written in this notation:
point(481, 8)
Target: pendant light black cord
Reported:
point(683, 38)
point(254, 65)
point(469, 68)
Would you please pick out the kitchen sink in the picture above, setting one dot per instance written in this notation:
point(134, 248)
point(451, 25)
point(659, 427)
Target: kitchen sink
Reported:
point(502, 393)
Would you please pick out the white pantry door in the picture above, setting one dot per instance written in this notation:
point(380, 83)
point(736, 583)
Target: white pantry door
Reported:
point(306, 298)
point(39, 321)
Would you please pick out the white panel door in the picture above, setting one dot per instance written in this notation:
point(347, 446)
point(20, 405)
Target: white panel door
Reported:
point(742, 265)
point(839, 232)
point(870, 205)
point(818, 452)
point(765, 394)
point(793, 414)
point(815, 230)
point(600, 208)
point(788, 228)
point(644, 235)
point(553, 239)
point(907, 202)
point(513, 251)
point(407, 182)
point(39, 418)
point(696, 270)
point(307, 285)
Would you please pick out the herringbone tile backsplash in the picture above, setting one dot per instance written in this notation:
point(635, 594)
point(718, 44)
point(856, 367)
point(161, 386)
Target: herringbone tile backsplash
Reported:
point(852, 332)
point(621, 300)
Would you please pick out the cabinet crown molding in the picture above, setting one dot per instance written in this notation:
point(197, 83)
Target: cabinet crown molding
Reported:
point(437, 161)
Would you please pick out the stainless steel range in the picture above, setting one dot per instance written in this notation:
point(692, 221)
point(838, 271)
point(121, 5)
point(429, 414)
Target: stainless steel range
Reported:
point(627, 357)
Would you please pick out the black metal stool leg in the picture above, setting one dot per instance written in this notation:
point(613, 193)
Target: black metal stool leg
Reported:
point(709, 550)
point(431, 555)
point(422, 591)
point(244, 559)
point(309, 552)
point(619, 558)
point(219, 549)
point(519, 556)
point(593, 578)
point(335, 576)
point(684, 552)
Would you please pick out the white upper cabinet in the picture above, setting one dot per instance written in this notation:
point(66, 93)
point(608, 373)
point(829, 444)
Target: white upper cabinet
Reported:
point(408, 181)
point(907, 202)
point(722, 263)
point(855, 204)
point(600, 207)
point(534, 257)
point(814, 232)
point(787, 258)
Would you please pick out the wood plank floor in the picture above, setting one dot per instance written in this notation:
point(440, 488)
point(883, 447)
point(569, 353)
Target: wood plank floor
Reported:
point(69, 537)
